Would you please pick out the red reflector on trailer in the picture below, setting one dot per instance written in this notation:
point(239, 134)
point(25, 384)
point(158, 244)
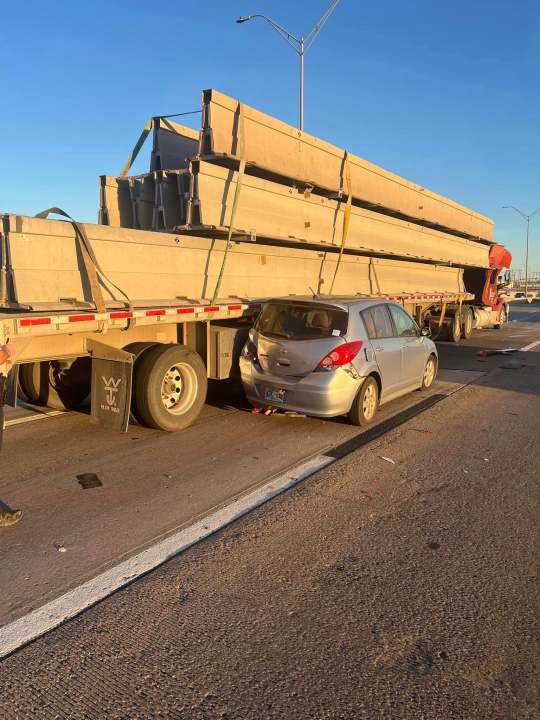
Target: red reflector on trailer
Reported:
point(81, 318)
point(121, 315)
point(26, 322)
point(211, 308)
point(184, 311)
point(235, 307)
point(155, 312)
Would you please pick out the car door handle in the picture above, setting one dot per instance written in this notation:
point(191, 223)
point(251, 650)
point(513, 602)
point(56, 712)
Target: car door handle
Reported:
point(284, 361)
point(379, 348)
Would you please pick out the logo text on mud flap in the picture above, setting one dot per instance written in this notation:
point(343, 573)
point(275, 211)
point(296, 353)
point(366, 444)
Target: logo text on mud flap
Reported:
point(111, 390)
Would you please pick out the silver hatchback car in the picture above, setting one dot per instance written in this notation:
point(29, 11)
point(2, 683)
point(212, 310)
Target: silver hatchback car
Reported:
point(335, 356)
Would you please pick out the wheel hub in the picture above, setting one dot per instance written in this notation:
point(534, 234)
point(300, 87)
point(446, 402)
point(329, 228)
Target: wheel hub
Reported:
point(369, 402)
point(171, 387)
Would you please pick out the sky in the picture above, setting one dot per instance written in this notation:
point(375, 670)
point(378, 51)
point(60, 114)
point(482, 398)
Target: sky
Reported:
point(446, 94)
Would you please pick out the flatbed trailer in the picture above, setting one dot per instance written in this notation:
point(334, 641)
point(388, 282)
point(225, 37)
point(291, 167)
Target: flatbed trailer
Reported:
point(64, 357)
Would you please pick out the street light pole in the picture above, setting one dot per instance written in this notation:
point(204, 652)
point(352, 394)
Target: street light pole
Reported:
point(300, 45)
point(302, 53)
point(527, 219)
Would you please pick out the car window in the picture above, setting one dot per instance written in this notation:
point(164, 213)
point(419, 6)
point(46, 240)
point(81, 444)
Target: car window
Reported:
point(298, 321)
point(377, 322)
point(404, 324)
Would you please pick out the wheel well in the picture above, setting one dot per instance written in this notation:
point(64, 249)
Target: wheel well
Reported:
point(377, 380)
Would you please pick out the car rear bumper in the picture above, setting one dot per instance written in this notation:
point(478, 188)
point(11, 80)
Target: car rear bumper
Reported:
point(322, 394)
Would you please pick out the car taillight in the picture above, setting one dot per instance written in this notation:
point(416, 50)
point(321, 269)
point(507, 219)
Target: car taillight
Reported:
point(342, 355)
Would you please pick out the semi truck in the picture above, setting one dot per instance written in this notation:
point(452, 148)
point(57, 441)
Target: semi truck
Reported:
point(139, 310)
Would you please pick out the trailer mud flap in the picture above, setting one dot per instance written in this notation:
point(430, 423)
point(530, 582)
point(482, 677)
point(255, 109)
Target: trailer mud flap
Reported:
point(112, 371)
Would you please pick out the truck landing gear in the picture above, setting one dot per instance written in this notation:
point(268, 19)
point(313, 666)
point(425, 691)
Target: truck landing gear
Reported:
point(467, 327)
point(502, 319)
point(454, 330)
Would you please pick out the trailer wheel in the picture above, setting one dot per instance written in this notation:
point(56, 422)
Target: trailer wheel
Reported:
point(137, 349)
point(34, 382)
point(467, 324)
point(454, 331)
point(502, 318)
point(169, 385)
point(72, 384)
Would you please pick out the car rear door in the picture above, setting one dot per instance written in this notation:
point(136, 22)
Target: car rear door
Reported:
point(413, 346)
point(386, 346)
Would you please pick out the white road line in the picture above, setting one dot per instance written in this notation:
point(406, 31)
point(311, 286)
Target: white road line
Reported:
point(40, 415)
point(530, 346)
point(40, 621)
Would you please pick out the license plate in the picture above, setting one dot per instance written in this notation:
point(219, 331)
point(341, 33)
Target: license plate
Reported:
point(274, 395)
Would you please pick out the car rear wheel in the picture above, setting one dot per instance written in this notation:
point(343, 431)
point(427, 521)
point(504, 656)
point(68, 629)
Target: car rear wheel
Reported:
point(430, 372)
point(365, 404)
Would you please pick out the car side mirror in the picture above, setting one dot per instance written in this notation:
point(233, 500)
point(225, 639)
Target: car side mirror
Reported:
point(425, 331)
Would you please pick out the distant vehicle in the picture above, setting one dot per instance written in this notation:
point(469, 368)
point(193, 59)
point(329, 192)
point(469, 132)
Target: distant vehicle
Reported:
point(519, 295)
point(335, 356)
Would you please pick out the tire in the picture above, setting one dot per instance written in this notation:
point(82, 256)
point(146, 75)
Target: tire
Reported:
point(467, 327)
point(34, 382)
point(454, 331)
point(502, 318)
point(72, 384)
point(365, 404)
point(39, 381)
point(430, 372)
point(137, 349)
point(169, 385)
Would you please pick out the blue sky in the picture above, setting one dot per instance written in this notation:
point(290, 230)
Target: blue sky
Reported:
point(444, 93)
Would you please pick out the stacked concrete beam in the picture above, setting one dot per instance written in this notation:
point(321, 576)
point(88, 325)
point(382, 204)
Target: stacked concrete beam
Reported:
point(292, 202)
point(278, 212)
point(231, 129)
point(150, 266)
point(153, 201)
point(172, 145)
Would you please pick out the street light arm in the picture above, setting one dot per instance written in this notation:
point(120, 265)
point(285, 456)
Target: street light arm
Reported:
point(277, 27)
point(315, 30)
point(512, 207)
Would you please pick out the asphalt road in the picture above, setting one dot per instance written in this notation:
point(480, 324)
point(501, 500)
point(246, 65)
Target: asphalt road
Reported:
point(373, 590)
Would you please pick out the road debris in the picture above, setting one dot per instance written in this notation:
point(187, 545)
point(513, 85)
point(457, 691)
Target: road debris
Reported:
point(89, 480)
point(367, 493)
point(10, 517)
point(489, 353)
point(60, 547)
point(278, 412)
point(387, 459)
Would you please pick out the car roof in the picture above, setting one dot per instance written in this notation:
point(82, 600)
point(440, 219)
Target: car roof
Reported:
point(344, 302)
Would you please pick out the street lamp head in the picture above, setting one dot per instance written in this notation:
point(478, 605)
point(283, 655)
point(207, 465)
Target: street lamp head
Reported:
point(244, 18)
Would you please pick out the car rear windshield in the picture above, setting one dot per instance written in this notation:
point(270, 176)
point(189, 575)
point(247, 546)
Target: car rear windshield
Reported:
point(298, 321)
